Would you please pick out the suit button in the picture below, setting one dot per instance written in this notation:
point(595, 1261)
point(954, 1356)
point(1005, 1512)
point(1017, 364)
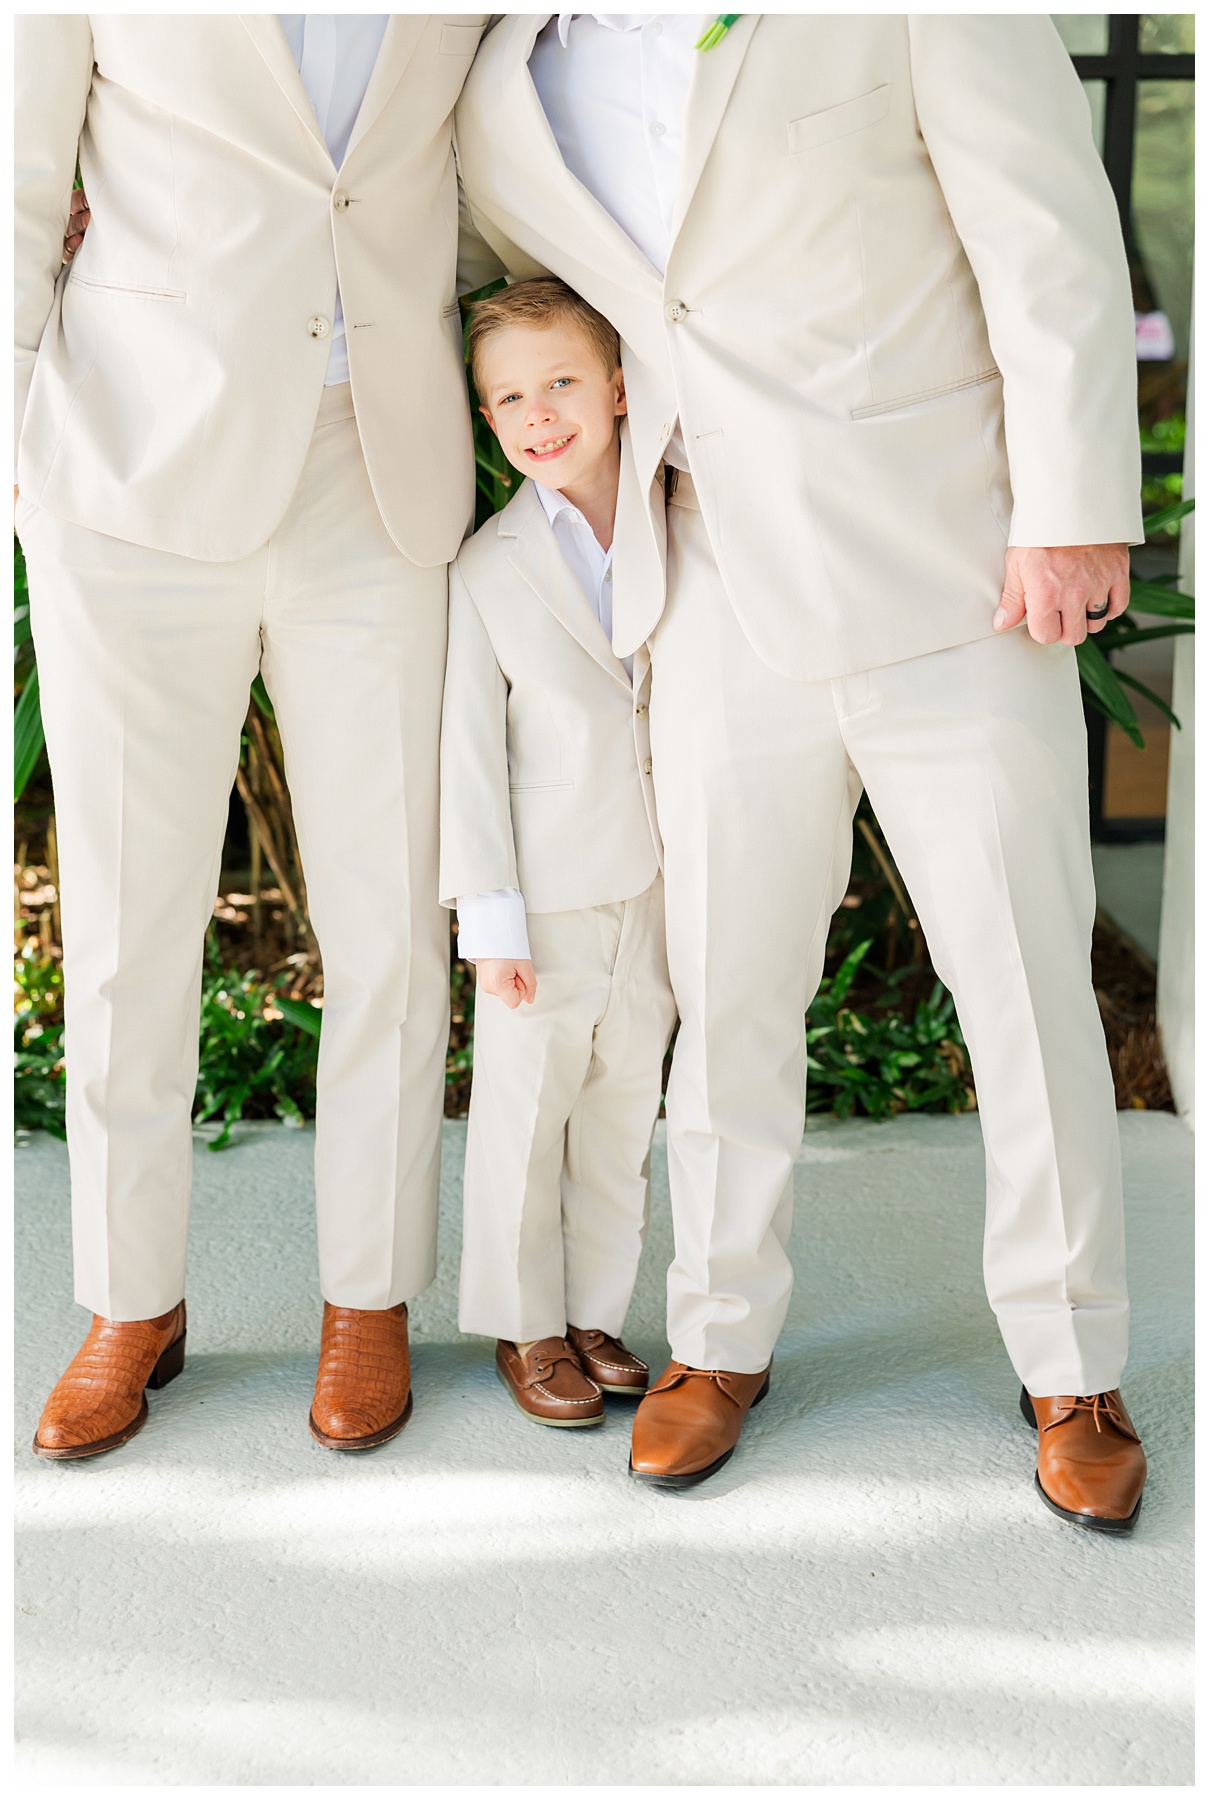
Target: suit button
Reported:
point(640, 712)
point(340, 202)
point(675, 310)
point(318, 327)
point(646, 767)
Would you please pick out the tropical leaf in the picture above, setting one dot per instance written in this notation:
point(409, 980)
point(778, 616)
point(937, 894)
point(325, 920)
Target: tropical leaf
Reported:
point(308, 1018)
point(1162, 601)
point(1167, 516)
point(1105, 691)
point(28, 735)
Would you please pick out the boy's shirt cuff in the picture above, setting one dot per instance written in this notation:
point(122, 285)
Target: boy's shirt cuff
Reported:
point(493, 925)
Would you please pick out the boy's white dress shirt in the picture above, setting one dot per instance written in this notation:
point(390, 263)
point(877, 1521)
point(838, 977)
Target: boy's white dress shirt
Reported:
point(335, 54)
point(494, 924)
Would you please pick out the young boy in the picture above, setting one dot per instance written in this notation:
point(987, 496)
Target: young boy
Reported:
point(550, 852)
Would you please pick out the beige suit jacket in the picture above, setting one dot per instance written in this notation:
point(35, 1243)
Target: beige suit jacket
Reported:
point(895, 326)
point(167, 386)
point(545, 743)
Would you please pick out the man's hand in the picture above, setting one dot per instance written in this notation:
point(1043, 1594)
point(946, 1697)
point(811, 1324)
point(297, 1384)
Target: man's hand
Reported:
point(1062, 589)
point(77, 225)
point(510, 981)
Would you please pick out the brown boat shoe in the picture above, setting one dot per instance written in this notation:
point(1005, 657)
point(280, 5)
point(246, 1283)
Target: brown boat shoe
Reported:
point(1091, 1467)
point(547, 1383)
point(689, 1423)
point(99, 1400)
point(607, 1362)
point(363, 1387)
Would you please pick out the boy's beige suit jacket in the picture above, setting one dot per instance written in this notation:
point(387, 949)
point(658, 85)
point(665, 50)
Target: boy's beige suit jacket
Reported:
point(896, 324)
point(167, 385)
point(545, 743)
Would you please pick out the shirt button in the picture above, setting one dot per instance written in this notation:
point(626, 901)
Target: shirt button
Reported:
point(646, 767)
point(640, 712)
point(318, 327)
point(657, 130)
point(675, 310)
point(340, 201)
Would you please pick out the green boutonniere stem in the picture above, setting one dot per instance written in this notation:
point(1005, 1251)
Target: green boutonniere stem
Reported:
point(717, 30)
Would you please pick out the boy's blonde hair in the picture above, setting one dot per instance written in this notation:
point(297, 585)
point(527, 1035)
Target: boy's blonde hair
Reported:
point(543, 301)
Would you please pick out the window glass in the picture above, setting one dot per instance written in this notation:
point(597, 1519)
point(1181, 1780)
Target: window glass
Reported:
point(1096, 92)
point(1162, 200)
point(1166, 34)
point(1084, 34)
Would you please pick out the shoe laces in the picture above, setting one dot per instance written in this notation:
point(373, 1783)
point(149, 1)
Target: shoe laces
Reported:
point(1102, 1407)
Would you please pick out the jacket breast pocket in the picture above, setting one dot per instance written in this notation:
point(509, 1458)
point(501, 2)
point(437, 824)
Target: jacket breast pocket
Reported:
point(838, 121)
point(460, 40)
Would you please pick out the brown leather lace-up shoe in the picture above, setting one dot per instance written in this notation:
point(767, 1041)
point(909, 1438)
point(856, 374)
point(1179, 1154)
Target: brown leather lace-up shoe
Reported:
point(1091, 1467)
point(689, 1423)
point(548, 1384)
point(99, 1400)
point(363, 1388)
point(606, 1361)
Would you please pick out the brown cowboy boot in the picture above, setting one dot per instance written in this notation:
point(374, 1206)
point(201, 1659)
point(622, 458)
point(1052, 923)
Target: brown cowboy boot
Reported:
point(99, 1400)
point(1091, 1467)
point(363, 1387)
point(689, 1423)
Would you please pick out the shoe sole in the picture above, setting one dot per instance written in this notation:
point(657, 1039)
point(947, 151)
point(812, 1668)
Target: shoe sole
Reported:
point(370, 1441)
point(1089, 1521)
point(622, 1393)
point(167, 1368)
point(696, 1475)
point(537, 1418)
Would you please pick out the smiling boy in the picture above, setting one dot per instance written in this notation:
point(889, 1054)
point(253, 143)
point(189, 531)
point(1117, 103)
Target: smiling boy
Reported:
point(550, 852)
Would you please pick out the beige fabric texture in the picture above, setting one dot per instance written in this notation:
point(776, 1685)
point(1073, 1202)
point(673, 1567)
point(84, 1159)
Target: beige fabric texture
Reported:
point(565, 1096)
point(167, 384)
point(545, 746)
point(145, 661)
point(975, 761)
point(896, 323)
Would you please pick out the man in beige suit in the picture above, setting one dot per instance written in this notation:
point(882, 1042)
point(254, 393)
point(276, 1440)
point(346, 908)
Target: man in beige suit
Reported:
point(877, 341)
point(221, 471)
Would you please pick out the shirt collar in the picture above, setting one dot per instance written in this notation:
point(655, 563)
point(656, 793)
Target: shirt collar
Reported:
point(610, 21)
point(554, 503)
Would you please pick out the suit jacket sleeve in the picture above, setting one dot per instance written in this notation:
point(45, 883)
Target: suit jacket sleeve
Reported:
point(53, 75)
point(478, 853)
point(484, 252)
point(1006, 125)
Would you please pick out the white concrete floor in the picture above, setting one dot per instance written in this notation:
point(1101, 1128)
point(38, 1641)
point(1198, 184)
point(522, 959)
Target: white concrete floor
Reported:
point(869, 1594)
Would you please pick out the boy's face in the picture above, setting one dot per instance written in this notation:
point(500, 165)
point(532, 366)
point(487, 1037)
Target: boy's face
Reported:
point(548, 399)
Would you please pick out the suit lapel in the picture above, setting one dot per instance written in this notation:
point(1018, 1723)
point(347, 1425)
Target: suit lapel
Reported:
point(536, 557)
point(714, 74)
point(598, 238)
point(268, 37)
point(402, 35)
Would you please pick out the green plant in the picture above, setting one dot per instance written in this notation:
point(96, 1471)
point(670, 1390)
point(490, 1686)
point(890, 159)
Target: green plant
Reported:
point(258, 1050)
point(884, 1062)
point(38, 1081)
point(1104, 685)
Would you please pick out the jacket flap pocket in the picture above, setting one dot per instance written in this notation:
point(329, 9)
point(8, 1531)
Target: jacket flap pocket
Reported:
point(838, 121)
point(460, 40)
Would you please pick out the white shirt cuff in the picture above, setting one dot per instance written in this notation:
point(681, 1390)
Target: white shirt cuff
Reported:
point(493, 925)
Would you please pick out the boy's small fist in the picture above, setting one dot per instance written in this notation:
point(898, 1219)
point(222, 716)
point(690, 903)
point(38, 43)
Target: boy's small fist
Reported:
point(509, 981)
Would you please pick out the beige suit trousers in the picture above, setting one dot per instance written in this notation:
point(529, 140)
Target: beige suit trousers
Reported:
point(975, 762)
point(145, 661)
point(565, 1097)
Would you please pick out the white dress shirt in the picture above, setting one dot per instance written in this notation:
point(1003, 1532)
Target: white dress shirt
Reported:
point(494, 924)
point(614, 87)
point(335, 54)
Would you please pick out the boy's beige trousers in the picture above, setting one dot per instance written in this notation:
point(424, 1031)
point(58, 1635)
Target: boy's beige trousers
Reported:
point(565, 1097)
point(975, 762)
point(145, 661)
